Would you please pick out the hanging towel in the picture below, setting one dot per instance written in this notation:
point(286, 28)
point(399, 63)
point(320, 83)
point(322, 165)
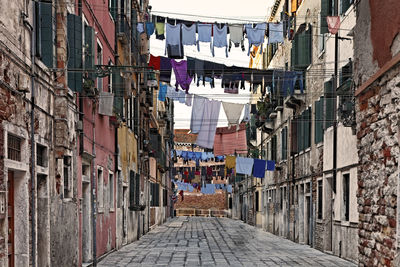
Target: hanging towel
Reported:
point(149, 28)
point(181, 96)
point(197, 113)
point(189, 34)
point(270, 165)
point(246, 116)
point(140, 27)
point(106, 103)
point(233, 112)
point(165, 70)
point(206, 135)
point(154, 62)
point(162, 92)
point(259, 168)
point(204, 34)
point(236, 36)
point(244, 165)
point(275, 33)
point(188, 101)
point(160, 30)
point(181, 76)
point(256, 35)
point(220, 38)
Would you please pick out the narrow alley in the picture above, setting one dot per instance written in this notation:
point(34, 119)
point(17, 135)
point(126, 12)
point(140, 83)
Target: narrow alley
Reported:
point(197, 241)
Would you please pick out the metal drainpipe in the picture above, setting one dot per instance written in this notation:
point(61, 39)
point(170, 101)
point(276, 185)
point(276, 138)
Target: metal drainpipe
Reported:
point(94, 191)
point(33, 182)
point(311, 226)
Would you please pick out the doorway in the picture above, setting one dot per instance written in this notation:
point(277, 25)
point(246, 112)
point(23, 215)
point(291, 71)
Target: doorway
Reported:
point(86, 223)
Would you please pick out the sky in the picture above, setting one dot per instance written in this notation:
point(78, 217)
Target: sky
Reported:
point(222, 11)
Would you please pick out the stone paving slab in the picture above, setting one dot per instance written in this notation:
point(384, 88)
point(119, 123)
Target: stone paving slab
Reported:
point(204, 241)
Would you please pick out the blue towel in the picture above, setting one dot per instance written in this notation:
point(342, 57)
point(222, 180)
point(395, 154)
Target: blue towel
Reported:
point(259, 168)
point(178, 153)
point(275, 33)
point(203, 156)
point(270, 165)
point(149, 28)
point(162, 92)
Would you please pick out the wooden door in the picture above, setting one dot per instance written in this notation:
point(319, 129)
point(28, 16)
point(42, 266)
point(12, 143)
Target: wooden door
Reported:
point(10, 219)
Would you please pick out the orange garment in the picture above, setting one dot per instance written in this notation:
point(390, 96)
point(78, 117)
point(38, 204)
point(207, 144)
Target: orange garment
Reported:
point(294, 6)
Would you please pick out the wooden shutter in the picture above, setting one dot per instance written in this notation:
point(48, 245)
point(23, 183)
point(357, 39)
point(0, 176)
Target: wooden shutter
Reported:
point(300, 133)
point(284, 143)
point(324, 14)
point(74, 34)
point(328, 104)
point(293, 136)
point(137, 189)
point(344, 5)
point(118, 91)
point(132, 194)
point(308, 128)
point(319, 124)
point(47, 34)
point(113, 9)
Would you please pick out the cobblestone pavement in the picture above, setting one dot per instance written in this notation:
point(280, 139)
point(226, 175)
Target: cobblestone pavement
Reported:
point(197, 241)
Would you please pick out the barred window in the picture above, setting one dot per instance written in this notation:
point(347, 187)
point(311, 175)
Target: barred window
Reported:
point(14, 147)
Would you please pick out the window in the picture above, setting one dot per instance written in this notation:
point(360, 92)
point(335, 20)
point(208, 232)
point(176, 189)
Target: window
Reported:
point(257, 201)
point(344, 5)
point(155, 194)
point(41, 155)
point(67, 177)
point(45, 29)
point(327, 7)
point(75, 52)
point(274, 148)
point(301, 53)
point(284, 143)
point(99, 62)
point(320, 199)
point(319, 121)
point(111, 190)
point(165, 197)
point(346, 196)
point(112, 8)
point(14, 147)
point(134, 190)
point(100, 189)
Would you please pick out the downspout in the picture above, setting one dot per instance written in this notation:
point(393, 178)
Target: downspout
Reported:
point(94, 190)
point(33, 182)
point(311, 226)
point(334, 166)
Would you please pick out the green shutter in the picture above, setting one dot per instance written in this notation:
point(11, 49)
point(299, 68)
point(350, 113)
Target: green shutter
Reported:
point(118, 91)
point(319, 125)
point(328, 104)
point(90, 50)
point(132, 193)
point(324, 13)
point(308, 127)
point(74, 34)
point(47, 34)
point(284, 143)
point(113, 9)
point(344, 5)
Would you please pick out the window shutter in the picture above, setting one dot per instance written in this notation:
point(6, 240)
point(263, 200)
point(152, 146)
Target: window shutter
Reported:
point(118, 92)
point(293, 136)
point(113, 9)
point(300, 133)
point(284, 143)
point(319, 128)
point(47, 34)
point(90, 50)
point(132, 194)
point(74, 33)
point(329, 104)
point(324, 13)
point(308, 127)
point(344, 6)
point(307, 50)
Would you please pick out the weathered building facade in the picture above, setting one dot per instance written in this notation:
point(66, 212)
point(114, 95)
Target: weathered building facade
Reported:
point(311, 196)
point(377, 79)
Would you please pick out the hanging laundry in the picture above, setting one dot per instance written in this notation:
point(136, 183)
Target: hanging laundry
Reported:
point(188, 101)
point(160, 30)
point(278, 79)
point(162, 92)
point(197, 113)
point(204, 156)
point(229, 141)
point(154, 62)
point(149, 29)
point(206, 135)
point(236, 36)
point(233, 112)
point(172, 93)
point(204, 34)
point(275, 33)
point(191, 67)
point(209, 73)
point(189, 34)
point(259, 168)
point(270, 165)
point(140, 27)
point(106, 103)
point(230, 162)
point(181, 194)
point(190, 188)
point(181, 96)
point(209, 171)
point(333, 24)
point(246, 116)
point(244, 165)
point(181, 76)
point(220, 38)
point(199, 69)
point(229, 188)
point(256, 35)
point(173, 42)
point(165, 69)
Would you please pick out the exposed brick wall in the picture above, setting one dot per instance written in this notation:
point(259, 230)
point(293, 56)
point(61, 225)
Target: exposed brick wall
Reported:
point(377, 132)
point(201, 201)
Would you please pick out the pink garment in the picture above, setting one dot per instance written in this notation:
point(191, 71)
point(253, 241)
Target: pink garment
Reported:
point(228, 141)
point(333, 24)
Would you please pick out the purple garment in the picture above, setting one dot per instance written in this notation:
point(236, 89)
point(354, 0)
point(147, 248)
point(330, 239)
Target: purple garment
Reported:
point(181, 76)
point(165, 69)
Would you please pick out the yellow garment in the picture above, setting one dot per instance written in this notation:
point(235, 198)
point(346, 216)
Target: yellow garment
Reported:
point(294, 6)
point(230, 162)
point(160, 27)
